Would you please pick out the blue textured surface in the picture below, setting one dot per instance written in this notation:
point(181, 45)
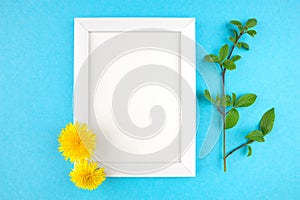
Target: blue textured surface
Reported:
point(36, 62)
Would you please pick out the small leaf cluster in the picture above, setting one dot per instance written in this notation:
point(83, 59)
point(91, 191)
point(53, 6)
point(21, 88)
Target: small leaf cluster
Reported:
point(241, 29)
point(224, 58)
point(265, 127)
point(232, 102)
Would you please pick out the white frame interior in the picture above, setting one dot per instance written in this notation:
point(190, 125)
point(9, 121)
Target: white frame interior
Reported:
point(186, 27)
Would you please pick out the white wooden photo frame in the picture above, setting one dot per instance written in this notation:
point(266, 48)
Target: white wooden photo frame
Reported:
point(110, 51)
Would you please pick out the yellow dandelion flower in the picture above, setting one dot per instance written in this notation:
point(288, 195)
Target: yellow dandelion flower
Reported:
point(76, 142)
point(86, 175)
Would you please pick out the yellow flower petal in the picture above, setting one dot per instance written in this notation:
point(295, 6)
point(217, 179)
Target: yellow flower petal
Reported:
point(86, 175)
point(76, 142)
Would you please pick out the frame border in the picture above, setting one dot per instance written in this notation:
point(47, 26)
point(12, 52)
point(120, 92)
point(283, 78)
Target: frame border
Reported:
point(186, 26)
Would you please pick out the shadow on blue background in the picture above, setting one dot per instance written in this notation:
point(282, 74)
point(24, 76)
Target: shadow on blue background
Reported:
point(36, 62)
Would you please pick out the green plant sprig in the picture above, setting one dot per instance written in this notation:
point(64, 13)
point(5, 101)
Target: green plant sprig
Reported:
point(266, 126)
point(228, 105)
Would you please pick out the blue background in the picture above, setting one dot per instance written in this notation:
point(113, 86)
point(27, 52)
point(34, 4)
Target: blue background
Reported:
point(36, 76)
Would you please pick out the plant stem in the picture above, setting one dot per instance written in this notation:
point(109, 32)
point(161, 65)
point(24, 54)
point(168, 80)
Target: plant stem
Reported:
point(237, 148)
point(220, 111)
point(224, 120)
point(224, 107)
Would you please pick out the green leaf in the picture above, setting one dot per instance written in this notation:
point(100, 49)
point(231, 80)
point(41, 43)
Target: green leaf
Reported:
point(223, 52)
point(218, 100)
point(267, 121)
point(233, 98)
point(252, 32)
point(232, 118)
point(226, 100)
point(232, 39)
point(229, 64)
point(239, 45)
point(211, 58)
point(246, 100)
point(249, 151)
point(207, 95)
point(235, 33)
point(244, 45)
point(238, 24)
point(251, 23)
point(236, 57)
point(256, 135)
